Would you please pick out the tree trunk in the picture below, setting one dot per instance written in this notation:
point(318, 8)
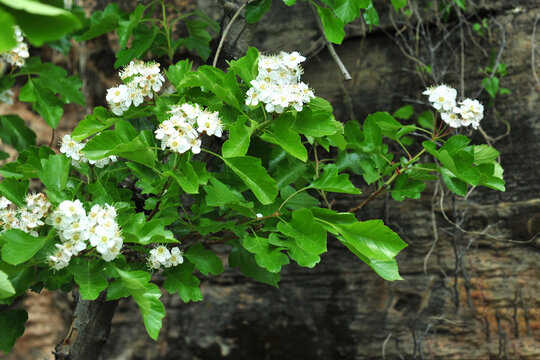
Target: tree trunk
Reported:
point(89, 331)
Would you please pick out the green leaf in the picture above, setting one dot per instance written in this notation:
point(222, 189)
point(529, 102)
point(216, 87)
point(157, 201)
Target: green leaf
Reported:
point(55, 172)
point(372, 239)
point(7, 33)
point(289, 172)
point(6, 288)
point(14, 191)
point(41, 22)
point(256, 9)
point(19, 246)
point(206, 261)
point(101, 22)
point(484, 154)
point(93, 123)
point(407, 188)
point(143, 37)
point(89, 276)
point(239, 257)
point(289, 2)
point(387, 269)
point(426, 120)
point(176, 73)
point(224, 86)
point(299, 201)
point(185, 176)
point(333, 26)
point(309, 238)
point(247, 66)
point(316, 123)
point(461, 4)
point(199, 38)
point(491, 85)
point(220, 194)
point(126, 27)
point(266, 255)
point(456, 185)
point(43, 101)
point(399, 4)
point(180, 279)
point(138, 231)
point(124, 142)
point(256, 178)
point(404, 112)
point(239, 138)
point(348, 10)
point(331, 181)
point(281, 134)
point(14, 132)
point(371, 17)
point(12, 327)
point(146, 295)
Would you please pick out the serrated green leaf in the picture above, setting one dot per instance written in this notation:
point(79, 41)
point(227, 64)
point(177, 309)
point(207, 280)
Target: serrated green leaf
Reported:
point(199, 38)
point(180, 279)
point(484, 154)
point(6, 288)
point(240, 257)
point(7, 32)
point(126, 27)
point(143, 37)
point(43, 101)
point(146, 295)
point(14, 132)
point(139, 231)
point(19, 246)
point(12, 327)
point(89, 276)
point(281, 134)
point(55, 172)
point(14, 190)
point(206, 261)
point(331, 181)
point(309, 238)
point(371, 17)
point(372, 239)
point(289, 2)
point(348, 10)
point(404, 112)
point(333, 26)
point(250, 171)
point(426, 120)
point(289, 171)
point(185, 176)
point(239, 138)
point(256, 9)
point(93, 123)
point(407, 188)
point(177, 72)
point(299, 201)
point(101, 22)
point(41, 22)
point(456, 185)
point(266, 255)
point(399, 4)
point(247, 66)
point(316, 123)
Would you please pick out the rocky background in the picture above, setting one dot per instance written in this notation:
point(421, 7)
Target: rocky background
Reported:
point(471, 286)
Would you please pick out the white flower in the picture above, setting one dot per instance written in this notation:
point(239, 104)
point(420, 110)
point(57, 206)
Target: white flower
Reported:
point(176, 257)
point(161, 254)
point(4, 203)
point(18, 55)
point(471, 112)
point(72, 209)
point(278, 83)
point(451, 118)
point(6, 97)
point(442, 97)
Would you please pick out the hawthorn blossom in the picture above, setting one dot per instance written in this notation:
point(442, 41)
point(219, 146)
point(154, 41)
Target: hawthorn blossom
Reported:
point(27, 218)
point(72, 149)
point(278, 84)
point(140, 79)
point(179, 134)
point(443, 98)
point(18, 55)
point(161, 256)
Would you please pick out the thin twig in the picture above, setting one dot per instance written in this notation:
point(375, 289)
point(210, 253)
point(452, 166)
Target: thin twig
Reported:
point(533, 67)
point(331, 49)
point(369, 199)
point(225, 32)
point(499, 55)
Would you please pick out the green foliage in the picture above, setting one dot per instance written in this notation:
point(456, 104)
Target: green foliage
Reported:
point(265, 190)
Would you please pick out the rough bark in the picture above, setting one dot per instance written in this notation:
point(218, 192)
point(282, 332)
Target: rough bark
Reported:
point(89, 331)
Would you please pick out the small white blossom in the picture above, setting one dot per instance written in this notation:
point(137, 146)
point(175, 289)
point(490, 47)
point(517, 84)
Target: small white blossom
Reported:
point(161, 256)
point(278, 83)
point(442, 97)
point(18, 55)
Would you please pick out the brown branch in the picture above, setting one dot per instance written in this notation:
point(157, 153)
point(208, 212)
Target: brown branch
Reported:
point(369, 199)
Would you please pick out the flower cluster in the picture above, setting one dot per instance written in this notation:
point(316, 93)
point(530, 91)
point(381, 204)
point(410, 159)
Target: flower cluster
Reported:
point(28, 218)
point(72, 149)
point(76, 229)
point(278, 84)
point(18, 55)
point(443, 98)
point(140, 79)
point(161, 256)
point(184, 128)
